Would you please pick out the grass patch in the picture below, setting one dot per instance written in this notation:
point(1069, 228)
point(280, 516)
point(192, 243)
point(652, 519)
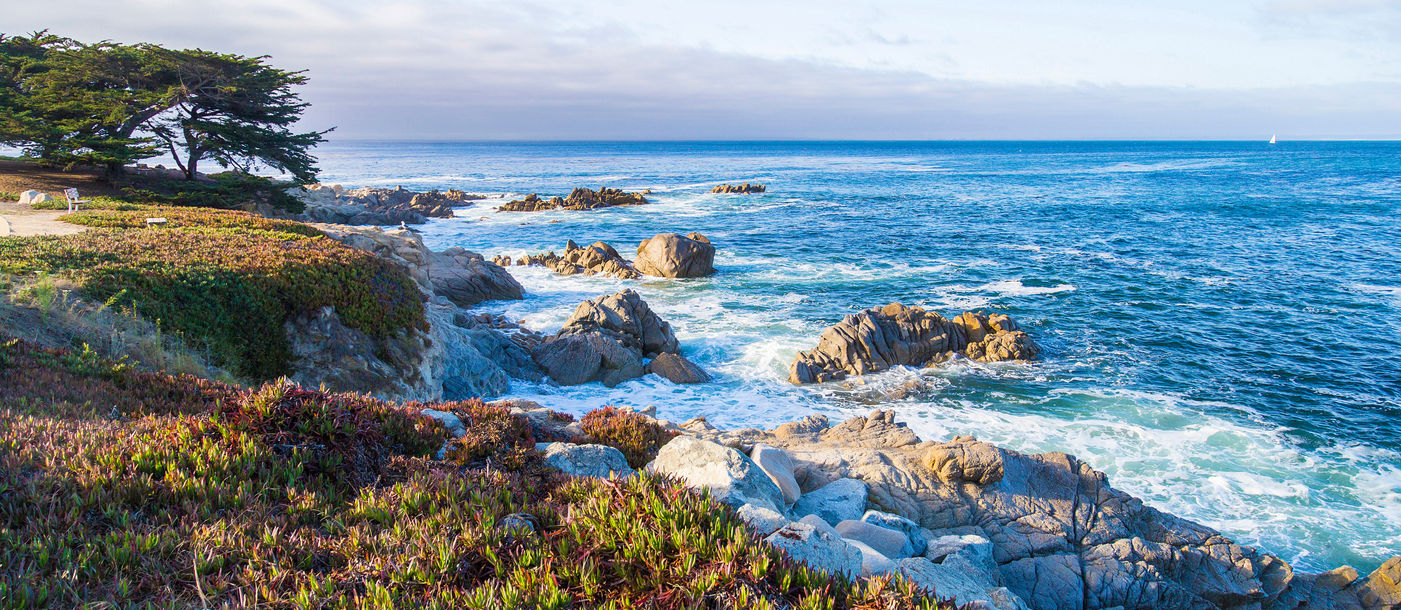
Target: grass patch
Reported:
point(133, 216)
point(9, 196)
point(227, 281)
point(95, 202)
point(126, 488)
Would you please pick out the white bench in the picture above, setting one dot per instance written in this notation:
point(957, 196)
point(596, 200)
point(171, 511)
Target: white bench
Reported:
point(155, 222)
point(74, 203)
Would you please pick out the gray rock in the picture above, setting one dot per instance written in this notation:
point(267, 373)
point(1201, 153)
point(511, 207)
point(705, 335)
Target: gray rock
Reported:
point(821, 549)
point(966, 583)
point(327, 353)
point(761, 521)
point(974, 548)
point(513, 359)
point(671, 255)
point(677, 369)
point(581, 358)
point(835, 502)
point(599, 461)
point(467, 278)
point(873, 562)
point(625, 317)
point(451, 422)
point(730, 475)
point(912, 531)
point(776, 463)
point(890, 543)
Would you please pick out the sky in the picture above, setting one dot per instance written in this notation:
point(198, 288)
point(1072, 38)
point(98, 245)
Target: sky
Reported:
point(816, 69)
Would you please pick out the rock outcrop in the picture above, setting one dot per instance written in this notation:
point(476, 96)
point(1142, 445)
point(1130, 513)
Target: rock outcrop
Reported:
point(599, 461)
point(1060, 536)
point(740, 189)
point(597, 258)
point(459, 357)
point(607, 340)
point(671, 255)
point(378, 206)
point(677, 369)
point(730, 476)
point(895, 335)
point(578, 199)
point(466, 278)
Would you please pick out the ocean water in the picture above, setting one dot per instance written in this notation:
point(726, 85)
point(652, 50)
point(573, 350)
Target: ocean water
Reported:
point(1221, 321)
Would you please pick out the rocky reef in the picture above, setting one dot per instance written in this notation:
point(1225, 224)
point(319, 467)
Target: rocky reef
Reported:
point(896, 335)
point(579, 199)
point(607, 340)
point(377, 206)
point(739, 189)
point(990, 527)
point(671, 255)
point(597, 258)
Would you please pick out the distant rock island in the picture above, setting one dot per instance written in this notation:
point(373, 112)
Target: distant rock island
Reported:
point(578, 199)
point(739, 189)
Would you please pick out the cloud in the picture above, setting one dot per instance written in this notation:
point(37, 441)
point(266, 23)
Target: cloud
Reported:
point(476, 70)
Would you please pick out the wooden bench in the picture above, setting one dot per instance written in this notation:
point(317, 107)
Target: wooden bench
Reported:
point(74, 203)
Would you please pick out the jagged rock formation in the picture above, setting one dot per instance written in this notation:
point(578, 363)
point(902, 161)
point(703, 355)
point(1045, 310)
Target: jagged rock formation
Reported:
point(739, 189)
point(597, 258)
point(578, 199)
point(671, 255)
point(1005, 529)
point(606, 340)
point(378, 206)
point(895, 335)
point(466, 278)
point(327, 353)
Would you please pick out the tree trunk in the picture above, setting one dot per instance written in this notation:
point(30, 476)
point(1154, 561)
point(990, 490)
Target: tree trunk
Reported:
point(191, 164)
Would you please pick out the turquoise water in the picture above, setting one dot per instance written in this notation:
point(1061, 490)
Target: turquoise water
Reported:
point(1220, 320)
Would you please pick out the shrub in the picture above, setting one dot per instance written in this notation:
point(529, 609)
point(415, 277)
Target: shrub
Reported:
point(134, 217)
point(224, 190)
point(228, 289)
point(634, 434)
point(195, 494)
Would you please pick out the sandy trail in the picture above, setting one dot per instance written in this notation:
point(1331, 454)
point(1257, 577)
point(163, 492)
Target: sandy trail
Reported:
point(20, 220)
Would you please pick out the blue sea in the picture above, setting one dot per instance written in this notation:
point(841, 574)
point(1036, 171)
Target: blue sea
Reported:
point(1221, 321)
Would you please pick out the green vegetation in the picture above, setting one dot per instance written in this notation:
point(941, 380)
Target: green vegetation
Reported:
point(134, 489)
point(636, 436)
point(108, 104)
point(226, 280)
point(9, 196)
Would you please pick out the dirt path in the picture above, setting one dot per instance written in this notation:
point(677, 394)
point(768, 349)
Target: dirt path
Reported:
point(20, 221)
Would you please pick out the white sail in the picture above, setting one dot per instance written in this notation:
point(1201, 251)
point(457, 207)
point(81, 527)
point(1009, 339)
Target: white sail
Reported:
point(1272, 138)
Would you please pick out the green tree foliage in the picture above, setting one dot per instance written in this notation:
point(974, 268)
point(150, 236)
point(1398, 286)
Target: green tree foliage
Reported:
point(110, 104)
point(237, 111)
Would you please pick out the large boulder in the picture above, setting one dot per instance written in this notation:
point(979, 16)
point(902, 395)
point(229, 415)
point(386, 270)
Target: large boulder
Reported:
point(840, 500)
point(466, 278)
point(584, 357)
point(671, 255)
point(625, 317)
point(969, 585)
point(599, 461)
point(818, 547)
point(895, 335)
point(776, 463)
point(887, 542)
point(677, 369)
point(730, 476)
point(912, 531)
point(605, 340)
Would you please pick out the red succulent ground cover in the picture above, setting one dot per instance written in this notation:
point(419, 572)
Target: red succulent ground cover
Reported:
point(125, 488)
point(636, 436)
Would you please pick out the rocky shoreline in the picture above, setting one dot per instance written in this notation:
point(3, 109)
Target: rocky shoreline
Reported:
point(987, 525)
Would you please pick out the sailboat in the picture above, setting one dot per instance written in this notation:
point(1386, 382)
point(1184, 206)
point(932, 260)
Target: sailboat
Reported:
point(1272, 138)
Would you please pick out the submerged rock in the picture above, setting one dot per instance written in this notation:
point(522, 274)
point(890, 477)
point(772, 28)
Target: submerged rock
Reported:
point(671, 255)
point(895, 335)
